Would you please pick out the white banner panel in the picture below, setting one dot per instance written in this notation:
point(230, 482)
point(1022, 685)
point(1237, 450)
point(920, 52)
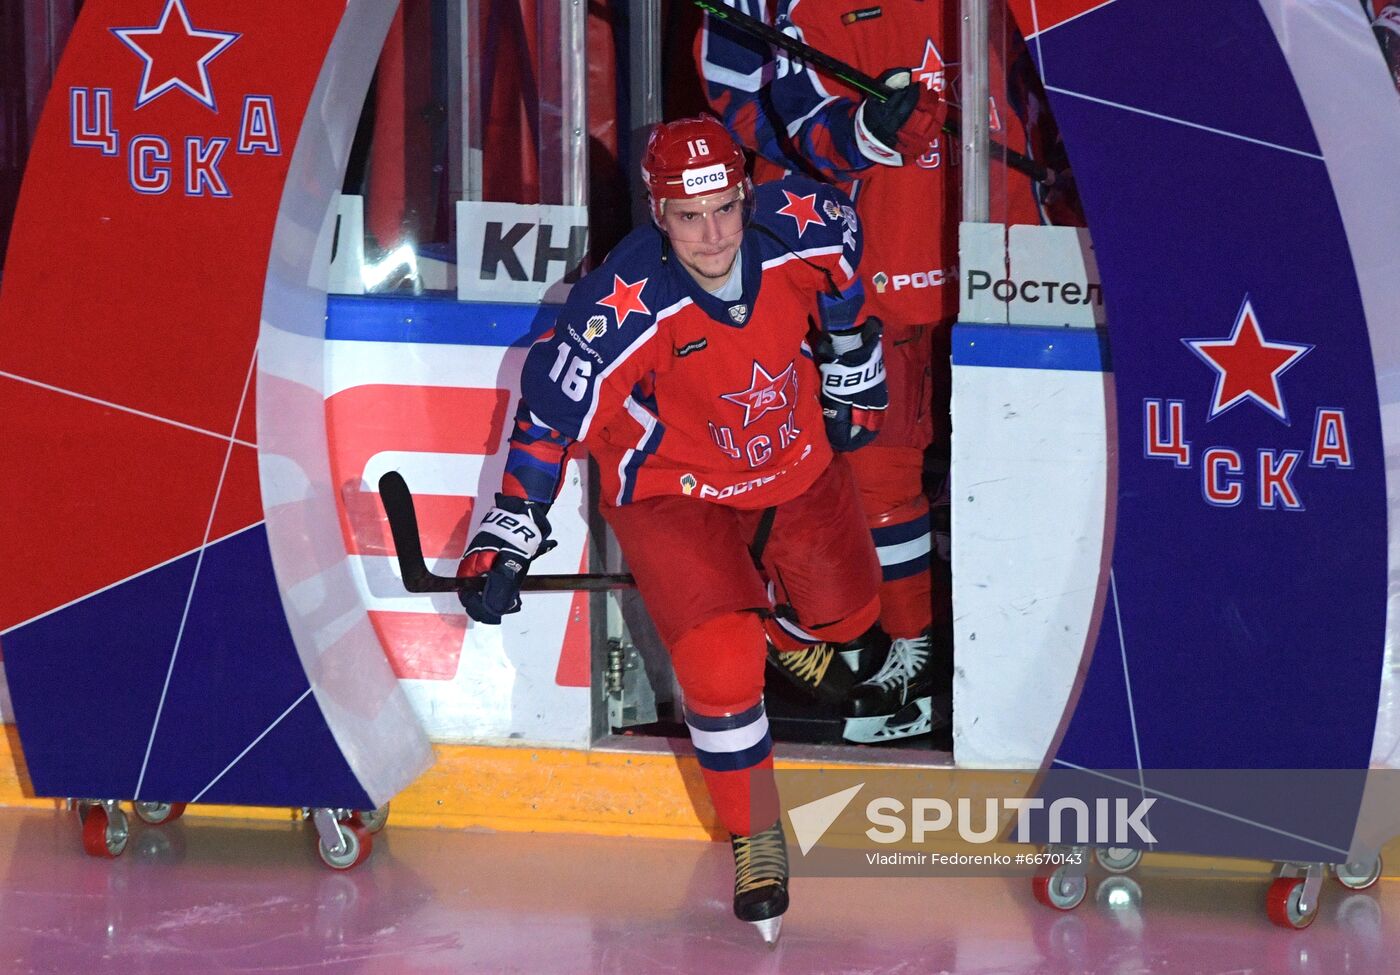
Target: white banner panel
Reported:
point(519, 252)
point(1029, 496)
point(441, 414)
point(1029, 275)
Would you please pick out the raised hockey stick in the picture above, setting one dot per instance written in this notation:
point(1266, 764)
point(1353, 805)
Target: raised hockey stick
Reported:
point(839, 70)
point(417, 577)
point(857, 79)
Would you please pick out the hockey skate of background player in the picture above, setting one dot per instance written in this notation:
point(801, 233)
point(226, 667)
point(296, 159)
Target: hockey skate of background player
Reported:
point(894, 161)
point(689, 367)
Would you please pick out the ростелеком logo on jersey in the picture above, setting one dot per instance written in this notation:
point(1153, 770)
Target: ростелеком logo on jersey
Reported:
point(934, 277)
point(705, 179)
point(1248, 368)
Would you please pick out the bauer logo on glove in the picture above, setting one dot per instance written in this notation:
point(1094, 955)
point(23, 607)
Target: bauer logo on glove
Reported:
point(854, 395)
point(508, 523)
point(854, 380)
point(512, 535)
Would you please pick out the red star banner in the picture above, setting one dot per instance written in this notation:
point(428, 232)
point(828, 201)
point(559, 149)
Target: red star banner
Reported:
point(176, 55)
point(1247, 366)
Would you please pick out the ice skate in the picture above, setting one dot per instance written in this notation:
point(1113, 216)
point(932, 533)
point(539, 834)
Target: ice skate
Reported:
point(811, 669)
point(760, 880)
point(910, 695)
point(865, 654)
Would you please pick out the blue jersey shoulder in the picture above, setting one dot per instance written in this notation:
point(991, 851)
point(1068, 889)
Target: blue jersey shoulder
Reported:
point(607, 318)
point(618, 301)
point(805, 214)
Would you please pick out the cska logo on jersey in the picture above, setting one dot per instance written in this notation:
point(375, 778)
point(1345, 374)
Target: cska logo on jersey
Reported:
point(1247, 368)
point(932, 71)
point(173, 56)
point(766, 392)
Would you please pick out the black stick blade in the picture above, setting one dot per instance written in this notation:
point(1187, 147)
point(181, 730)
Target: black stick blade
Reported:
point(408, 544)
point(417, 577)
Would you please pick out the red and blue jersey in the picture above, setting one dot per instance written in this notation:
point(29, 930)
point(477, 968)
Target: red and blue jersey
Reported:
point(789, 128)
point(678, 392)
point(800, 119)
point(1386, 26)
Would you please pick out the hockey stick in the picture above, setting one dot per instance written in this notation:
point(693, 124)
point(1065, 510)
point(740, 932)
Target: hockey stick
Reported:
point(857, 79)
point(417, 577)
point(839, 70)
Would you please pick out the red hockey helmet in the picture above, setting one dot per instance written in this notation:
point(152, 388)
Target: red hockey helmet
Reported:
point(692, 157)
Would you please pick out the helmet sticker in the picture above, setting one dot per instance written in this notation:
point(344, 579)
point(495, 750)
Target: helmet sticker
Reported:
point(705, 180)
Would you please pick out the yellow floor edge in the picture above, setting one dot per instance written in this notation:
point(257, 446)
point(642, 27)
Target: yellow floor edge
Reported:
point(654, 794)
point(519, 789)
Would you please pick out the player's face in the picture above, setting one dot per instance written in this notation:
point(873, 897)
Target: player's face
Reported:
point(706, 232)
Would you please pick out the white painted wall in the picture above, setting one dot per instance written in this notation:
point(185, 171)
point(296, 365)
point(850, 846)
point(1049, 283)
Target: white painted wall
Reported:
point(1029, 515)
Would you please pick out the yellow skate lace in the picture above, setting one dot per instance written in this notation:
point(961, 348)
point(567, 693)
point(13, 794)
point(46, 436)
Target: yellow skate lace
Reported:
point(759, 860)
point(809, 663)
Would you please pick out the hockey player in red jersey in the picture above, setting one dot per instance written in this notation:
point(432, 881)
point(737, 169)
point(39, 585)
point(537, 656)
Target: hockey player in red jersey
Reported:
point(689, 366)
point(1386, 27)
point(892, 159)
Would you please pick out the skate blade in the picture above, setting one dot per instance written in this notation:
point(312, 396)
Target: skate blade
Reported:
point(870, 731)
point(769, 929)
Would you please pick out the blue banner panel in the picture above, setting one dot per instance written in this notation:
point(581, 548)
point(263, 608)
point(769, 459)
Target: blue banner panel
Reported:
point(89, 680)
point(1290, 814)
point(237, 680)
point(85, 682)
point(1214, 65)
point(1245, 620)
point(1103, 726)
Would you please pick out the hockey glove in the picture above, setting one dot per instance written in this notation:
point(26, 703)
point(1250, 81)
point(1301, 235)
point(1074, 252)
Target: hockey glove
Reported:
point(512, 535)
point(854, 396)
point(907, 121)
